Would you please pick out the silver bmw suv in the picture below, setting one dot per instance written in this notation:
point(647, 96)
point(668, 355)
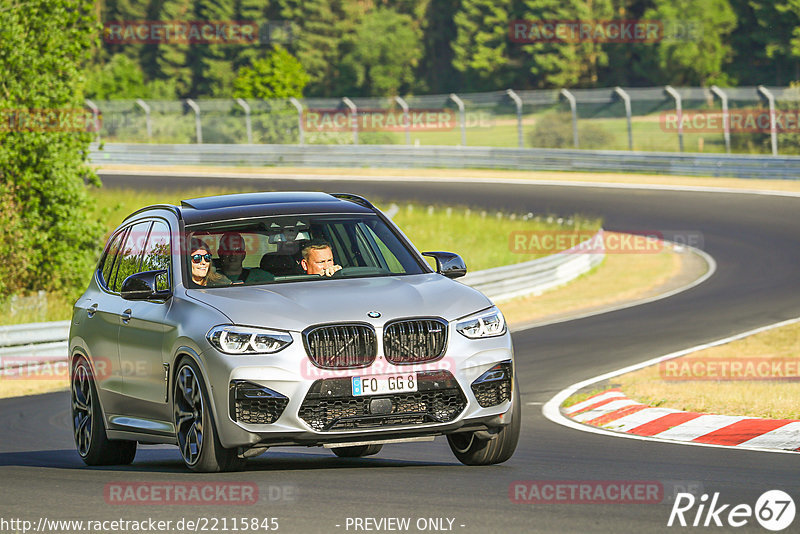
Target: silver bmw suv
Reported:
point(235, 323)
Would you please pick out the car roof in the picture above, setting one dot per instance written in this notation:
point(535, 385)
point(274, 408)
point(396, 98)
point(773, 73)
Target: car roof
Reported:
point(246, 205)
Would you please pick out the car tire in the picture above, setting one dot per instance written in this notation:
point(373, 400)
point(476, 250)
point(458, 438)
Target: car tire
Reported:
point(88, 427)
point(471, 449)
point(195, 430)
point(357, 451)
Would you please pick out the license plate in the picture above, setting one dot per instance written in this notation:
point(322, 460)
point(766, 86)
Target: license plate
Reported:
point(377, 385)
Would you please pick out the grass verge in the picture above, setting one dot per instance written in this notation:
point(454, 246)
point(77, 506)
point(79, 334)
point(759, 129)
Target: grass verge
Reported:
point(728, 392)
point(620, 278)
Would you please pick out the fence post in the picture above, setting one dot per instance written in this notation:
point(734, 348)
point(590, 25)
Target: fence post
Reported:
point(627, 99)
point(462, 112)
point(299, 107)
point(679, 109)
point(142, 104)
point(406, 118)
point(518, 101)
point(773, 131)
point(573, 107)
point(726, 117)
point(246, 107)
point(96, 118)
point(198, 128)
point(353, 117)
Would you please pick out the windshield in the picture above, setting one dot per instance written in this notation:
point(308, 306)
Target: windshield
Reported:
point(295, 248)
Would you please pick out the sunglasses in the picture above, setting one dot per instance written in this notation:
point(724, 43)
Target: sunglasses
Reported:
point(197, 257)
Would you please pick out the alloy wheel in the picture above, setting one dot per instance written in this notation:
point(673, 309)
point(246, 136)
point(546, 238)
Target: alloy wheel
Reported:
point(189, 415)
point(82, 409)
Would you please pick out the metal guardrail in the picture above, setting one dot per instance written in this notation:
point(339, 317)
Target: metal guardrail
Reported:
point(28, 344)
point(531, 159)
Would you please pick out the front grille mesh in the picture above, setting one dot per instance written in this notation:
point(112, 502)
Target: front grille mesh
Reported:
point(254, 404)
point(330, 405)
point(494, 392)
point(414, 340)
point(341, 346)
point(259, 411)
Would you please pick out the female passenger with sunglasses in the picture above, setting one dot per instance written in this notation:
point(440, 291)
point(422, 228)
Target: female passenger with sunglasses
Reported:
point(203, 272)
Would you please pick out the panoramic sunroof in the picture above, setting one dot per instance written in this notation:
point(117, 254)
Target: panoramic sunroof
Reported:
point(252, 199)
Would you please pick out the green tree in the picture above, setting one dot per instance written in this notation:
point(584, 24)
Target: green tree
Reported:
point(559, 63)
point(791, 11)
point(279, 75)
point(762, 44)
point(175, 61)
point(44, 46)
point(698, 60)
point(385, 54)
point(120, 77)
point(325, 33)
point(213, 63)
point(259, 12)
point(479, 48)
point(436, 73)
point(619, 69)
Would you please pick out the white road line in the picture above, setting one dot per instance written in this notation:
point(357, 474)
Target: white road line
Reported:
point(552, 408)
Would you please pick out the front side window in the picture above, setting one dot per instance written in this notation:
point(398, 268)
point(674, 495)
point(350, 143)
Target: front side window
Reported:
point(295, 248)
point(157, 253)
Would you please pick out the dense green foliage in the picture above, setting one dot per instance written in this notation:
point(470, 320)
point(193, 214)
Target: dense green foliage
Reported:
point(378, 47)
point(279, 75)
point(47, 238)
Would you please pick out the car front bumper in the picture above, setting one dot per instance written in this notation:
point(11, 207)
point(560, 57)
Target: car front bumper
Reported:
point(291, 383)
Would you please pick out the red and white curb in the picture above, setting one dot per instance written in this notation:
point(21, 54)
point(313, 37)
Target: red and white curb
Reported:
point(611, 413)
point(614, 411)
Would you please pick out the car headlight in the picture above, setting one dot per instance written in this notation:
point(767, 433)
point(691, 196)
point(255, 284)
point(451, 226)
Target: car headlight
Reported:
point(488, 323)
point(232, 339)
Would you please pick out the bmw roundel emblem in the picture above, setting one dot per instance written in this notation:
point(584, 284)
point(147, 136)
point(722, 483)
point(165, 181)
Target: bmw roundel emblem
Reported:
point(374, 314)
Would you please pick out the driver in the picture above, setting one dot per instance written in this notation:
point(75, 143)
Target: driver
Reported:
point(318, 259)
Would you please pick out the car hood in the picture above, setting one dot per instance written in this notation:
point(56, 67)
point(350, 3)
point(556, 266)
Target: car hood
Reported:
point(297, 305)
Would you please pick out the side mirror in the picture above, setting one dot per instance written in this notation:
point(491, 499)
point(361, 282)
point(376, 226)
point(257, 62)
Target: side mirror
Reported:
point(142, 286)
point(448, 264)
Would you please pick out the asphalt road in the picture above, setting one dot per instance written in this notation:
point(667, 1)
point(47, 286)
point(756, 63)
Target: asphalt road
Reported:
point(756, 243)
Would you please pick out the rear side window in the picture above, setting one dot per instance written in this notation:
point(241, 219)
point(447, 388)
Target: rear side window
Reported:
point(106, 268)
point(130, 255)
